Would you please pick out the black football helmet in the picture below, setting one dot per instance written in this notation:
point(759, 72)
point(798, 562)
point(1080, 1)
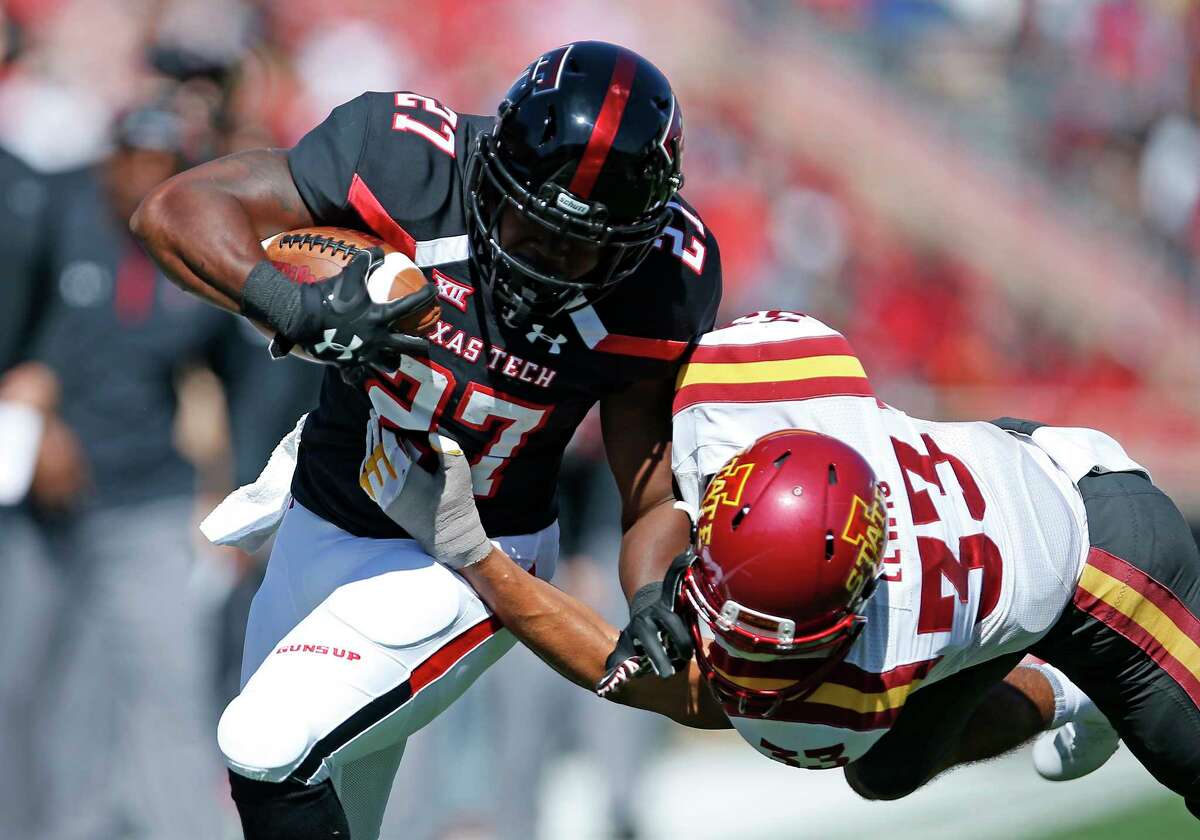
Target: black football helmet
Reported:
point(587, 144)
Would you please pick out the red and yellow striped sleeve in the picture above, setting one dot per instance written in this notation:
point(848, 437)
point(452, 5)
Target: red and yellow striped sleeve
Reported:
point(796, 369)
point(850, 697)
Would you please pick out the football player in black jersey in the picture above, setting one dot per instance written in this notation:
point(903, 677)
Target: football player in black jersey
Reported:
point(568, 271)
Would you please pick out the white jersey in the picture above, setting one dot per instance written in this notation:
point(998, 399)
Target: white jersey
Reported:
point(987, 534)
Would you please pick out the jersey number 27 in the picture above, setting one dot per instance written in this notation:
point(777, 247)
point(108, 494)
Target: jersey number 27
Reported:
point(415, 397)
point(443, 136)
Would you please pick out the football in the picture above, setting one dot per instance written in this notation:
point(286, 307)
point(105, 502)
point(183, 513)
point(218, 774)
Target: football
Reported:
point(307, 255)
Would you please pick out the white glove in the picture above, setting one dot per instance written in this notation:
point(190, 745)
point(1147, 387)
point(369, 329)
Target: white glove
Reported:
point(436, 508)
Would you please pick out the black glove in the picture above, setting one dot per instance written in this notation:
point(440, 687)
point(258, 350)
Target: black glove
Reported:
point(656, 632)
point(335, 320)
point(623, 664)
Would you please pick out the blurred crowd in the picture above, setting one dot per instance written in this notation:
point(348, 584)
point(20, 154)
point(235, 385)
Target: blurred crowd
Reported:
point(148, 405)
point(1101, 96)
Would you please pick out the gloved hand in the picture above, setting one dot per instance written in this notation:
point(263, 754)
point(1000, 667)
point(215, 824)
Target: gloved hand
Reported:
point(656, 634)
point(427, 493)
point(334, 320)
point(624, 664)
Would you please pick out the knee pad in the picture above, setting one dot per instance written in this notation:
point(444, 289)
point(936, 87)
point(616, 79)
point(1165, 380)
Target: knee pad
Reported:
point(261, 741)
point(288, 810)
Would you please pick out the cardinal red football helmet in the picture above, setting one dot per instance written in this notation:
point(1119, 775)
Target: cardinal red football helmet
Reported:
point(789, 545)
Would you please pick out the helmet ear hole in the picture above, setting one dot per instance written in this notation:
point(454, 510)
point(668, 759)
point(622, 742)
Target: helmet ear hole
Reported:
point(738, 517)
point(550, 127)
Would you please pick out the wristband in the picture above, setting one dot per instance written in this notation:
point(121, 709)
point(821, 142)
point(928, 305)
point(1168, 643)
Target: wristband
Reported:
point(270, 297)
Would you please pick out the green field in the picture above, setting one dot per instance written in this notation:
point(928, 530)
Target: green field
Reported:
point(1157, 819)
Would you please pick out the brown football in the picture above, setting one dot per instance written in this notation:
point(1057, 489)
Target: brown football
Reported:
point(307, 255)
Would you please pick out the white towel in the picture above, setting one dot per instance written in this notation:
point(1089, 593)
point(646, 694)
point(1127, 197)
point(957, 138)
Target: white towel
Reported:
point(20, 439)
point(1079, 451)
point(251, 514)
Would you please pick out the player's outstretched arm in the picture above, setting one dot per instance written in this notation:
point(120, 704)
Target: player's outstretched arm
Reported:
point(574, 640)
point(436, 506)
point(637, 439)
point(205, 226)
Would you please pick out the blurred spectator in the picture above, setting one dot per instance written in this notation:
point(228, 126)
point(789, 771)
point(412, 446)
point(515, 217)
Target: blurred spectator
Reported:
point(133, 655)
point(1170, 179)
point(30, 454)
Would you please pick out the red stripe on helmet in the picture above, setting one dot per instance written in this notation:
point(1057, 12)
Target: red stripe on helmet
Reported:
point(605, 129)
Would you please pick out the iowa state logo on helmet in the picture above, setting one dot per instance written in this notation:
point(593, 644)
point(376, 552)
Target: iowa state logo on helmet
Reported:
point(725, 488)
point(865, 528)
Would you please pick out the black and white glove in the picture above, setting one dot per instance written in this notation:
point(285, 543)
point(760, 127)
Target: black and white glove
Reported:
point(426, 490)
point(656, 637)
point(334, 320)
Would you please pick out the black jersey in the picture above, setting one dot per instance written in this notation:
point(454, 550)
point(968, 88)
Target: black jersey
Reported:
point(393, 163)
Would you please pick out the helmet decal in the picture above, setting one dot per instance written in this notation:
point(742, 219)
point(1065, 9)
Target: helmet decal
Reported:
point(725, 489)
point(546, 72)
point(865, 529)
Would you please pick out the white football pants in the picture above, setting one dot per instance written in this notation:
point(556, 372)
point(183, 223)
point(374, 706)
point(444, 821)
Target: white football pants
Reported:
point(352, 645)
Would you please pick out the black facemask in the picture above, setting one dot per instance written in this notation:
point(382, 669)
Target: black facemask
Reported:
point(521, 289)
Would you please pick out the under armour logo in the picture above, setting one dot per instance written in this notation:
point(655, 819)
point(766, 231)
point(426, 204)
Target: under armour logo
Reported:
point(538, 334)
point(346, 350)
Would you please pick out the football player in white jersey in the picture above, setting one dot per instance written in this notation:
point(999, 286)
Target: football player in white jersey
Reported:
point(863, 585)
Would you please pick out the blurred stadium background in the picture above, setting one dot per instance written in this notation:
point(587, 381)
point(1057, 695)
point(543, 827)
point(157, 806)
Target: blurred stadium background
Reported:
point(997, 200)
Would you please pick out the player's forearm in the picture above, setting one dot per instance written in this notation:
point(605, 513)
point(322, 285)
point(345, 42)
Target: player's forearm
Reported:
point(570, 636)
point(204, 227)
point(574, 640)
point(649, 545)
point(201, 236)
point(637, 440)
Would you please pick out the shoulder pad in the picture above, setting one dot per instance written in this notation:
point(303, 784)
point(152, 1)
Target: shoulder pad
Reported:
point(768, 357)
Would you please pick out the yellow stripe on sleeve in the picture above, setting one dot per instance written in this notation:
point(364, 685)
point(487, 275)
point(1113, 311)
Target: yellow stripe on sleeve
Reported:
point(831, 694)
point(849, 698)
point(787, 370)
